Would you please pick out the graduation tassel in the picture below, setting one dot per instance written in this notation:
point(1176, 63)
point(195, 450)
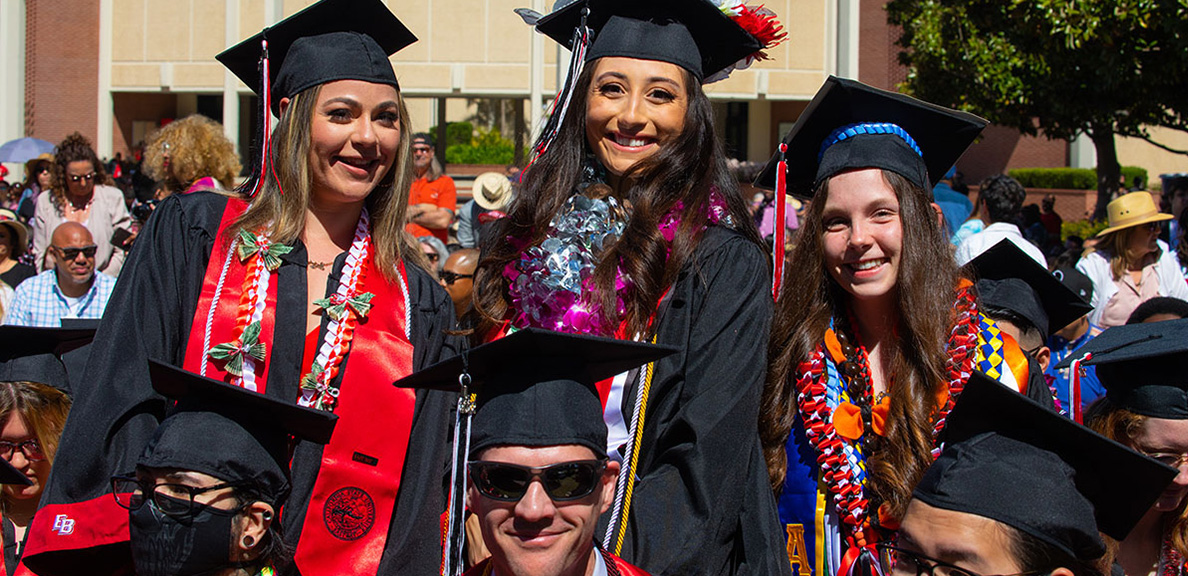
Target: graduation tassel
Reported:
point(254, 184)
point(452, 563)
point(780, 231)
point(560, 105)
point(1074, 392)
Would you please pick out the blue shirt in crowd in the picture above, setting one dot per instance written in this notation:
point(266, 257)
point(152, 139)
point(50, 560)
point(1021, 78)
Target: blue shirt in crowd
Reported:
point(1091, 388)
point(39, 302)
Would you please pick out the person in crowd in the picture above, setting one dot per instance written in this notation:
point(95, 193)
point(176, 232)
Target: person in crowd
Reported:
point(1175, 193)
point(630, 224)
point(1020, 490)
point(876, 294)
point(38, 178)
point(539, 476)
point(190, 154)
point(971, 226)
point(955, 206)
point(1130, 265)
point(10, 196)
point(314, 246)
point(14, 241)
point(34, 403)
point(1066, 341)
point(1000, 202)
point(492, 194)
point(82, 193)
point(71, 289)
point(194, 510)
point(767, 220)
point(1026, 302)
point(1159, 309)
point(1050, 219)
point(435, 253)
point(1181, 245)
point(434, 197)
point(6, 295)
point(1033, 229)
point(32, 415)
point(457, 277)
point(1146, 408)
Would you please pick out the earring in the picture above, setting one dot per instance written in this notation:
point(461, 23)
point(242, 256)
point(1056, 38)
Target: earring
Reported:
point(248, 541)
point(267, 515)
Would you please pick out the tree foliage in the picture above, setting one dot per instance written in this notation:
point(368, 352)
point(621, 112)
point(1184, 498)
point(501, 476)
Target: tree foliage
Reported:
point(1056, 67)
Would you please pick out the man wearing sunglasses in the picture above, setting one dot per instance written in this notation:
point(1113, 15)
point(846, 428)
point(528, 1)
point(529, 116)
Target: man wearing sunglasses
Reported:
point(207, 492)
point(457, 277)
point(1020, 490)
point(71, 289)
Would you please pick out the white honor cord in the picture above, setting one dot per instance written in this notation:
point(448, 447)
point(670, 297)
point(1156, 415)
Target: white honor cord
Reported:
point(625, 471)
point(214, 304)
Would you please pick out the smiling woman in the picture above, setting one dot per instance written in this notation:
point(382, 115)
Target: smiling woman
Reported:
point(295, 286)
point(628, 224)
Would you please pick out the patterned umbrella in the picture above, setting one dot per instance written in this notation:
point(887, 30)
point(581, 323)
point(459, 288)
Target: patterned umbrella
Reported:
point(23, 149)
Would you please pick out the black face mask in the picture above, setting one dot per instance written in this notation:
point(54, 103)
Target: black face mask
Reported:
point(166, 546)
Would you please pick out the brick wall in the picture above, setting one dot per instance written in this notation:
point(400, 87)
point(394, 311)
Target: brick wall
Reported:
point(61, 68)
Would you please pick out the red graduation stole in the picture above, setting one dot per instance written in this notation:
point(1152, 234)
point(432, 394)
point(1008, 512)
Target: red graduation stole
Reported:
point(350, 510)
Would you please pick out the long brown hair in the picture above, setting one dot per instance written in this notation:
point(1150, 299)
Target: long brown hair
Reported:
point(43, 408)
point(74, 148)
point(927, 278)
point(283, 215)
point(1120, 425)
point(1115, 247)
point(685, 169)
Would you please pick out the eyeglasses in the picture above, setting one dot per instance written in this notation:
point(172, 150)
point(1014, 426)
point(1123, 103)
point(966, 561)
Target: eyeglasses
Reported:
point(176, 500)
point(30, 448)
point(1166, 458)
point(562, 482)
point(72, 253)
point(900, 562)
point(78, 178)
point(1154, 226)
point(421, 149)
point(432, 256)
point(41, 170)
point(451, 277)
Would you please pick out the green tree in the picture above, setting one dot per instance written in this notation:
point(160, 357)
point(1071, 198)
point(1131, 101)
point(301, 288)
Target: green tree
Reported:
point(1057, 67)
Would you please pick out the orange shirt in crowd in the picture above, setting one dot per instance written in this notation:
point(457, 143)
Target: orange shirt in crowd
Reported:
point(441, 193)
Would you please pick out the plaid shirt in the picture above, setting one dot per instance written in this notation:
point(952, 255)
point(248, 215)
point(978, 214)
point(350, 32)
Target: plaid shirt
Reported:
point(39, 301)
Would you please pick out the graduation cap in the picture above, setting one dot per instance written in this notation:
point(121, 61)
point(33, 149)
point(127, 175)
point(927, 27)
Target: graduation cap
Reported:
point(534, 388)
point(36, 354)
point(1009, 279)
point(229, 432)
point(850, 125)
point(693, 34)
point(10, 475)
point(327, 41)
point(1144, 367)
point(1009, 459)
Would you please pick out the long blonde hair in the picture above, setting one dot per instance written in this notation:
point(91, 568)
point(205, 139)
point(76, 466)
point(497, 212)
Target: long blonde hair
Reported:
point(43, 408)
point(283, 215)
point(1115, 247)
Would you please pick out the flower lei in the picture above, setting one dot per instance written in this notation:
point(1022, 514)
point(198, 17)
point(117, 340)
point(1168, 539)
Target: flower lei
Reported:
point(552, 286)
point(1171, 562)
point(345, 308)
point(841, 459)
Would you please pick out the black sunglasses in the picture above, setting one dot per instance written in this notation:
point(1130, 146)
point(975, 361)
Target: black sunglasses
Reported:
point(562, 482)
point(71, 253)
point(451, 277)
point(176, 500)
point(79, 178)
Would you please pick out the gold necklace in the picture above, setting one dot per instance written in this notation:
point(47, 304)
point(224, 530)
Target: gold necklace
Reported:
point(319, 265)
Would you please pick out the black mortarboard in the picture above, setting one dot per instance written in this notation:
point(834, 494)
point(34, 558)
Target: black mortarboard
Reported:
point(36, 354)
point(1144, 367)
point(693, 34)
point(850, 125)
point(1009, 459)
point(229, 432)
point(536, 387)
point(1009, 279)
point(327, 41)
point(10, 475)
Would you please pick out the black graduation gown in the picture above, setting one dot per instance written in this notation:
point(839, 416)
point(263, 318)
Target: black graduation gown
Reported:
point(702, 503)
point(115, 409)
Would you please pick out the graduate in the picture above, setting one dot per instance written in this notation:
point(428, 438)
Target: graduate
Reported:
point(1019, 489)
point(539, 473)
point(1143, 368)
point(629, 224)
point(296, 286)
point(214, 507)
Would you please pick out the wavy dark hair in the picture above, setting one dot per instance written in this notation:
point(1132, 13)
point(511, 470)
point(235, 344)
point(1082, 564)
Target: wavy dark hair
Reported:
point(928, 276)
point(685, 170)
point(1003, 197)
point(74, 148)
point(1036, 556)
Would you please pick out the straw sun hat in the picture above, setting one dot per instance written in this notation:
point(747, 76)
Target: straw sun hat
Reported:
point(492, 190)
point(1132, 210)
point(18, 231)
